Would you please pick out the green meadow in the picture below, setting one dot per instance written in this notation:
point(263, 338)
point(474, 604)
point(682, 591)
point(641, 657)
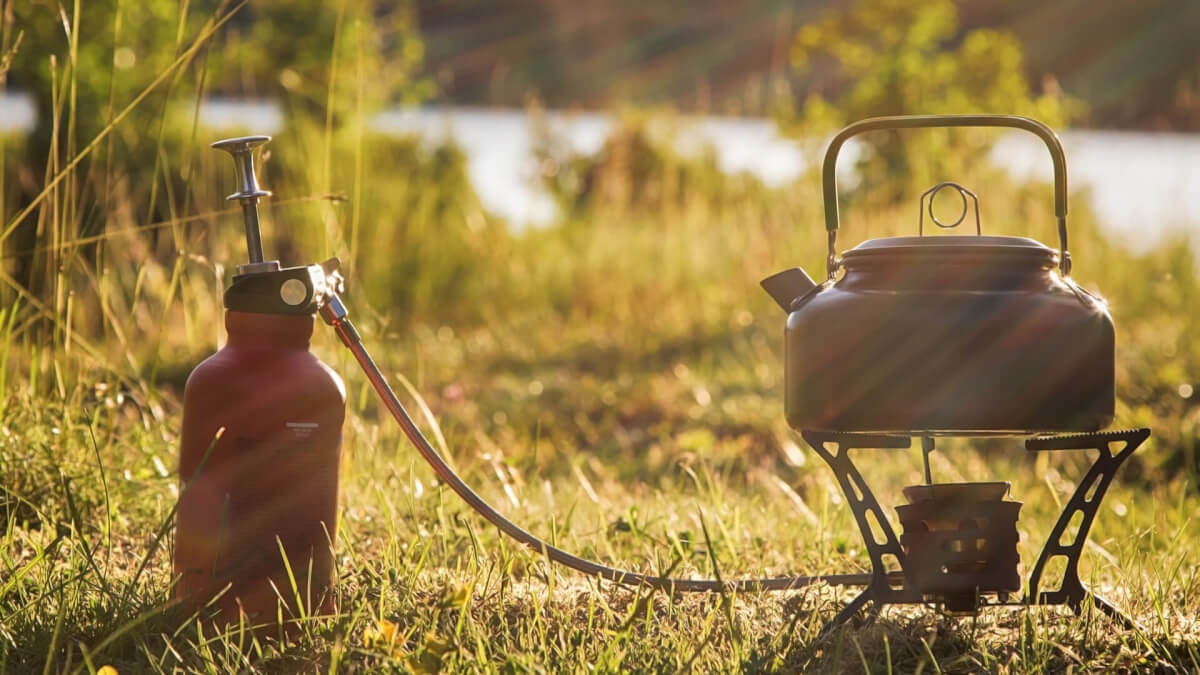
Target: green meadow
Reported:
point(612, 382)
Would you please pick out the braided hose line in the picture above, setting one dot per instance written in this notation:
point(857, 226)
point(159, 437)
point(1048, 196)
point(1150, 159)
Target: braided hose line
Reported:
point(334, 314)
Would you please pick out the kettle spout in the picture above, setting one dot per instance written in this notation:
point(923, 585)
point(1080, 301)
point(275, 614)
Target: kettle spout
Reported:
point(786, 286)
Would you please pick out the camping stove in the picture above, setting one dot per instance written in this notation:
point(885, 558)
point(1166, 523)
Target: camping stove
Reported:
point(958, 549)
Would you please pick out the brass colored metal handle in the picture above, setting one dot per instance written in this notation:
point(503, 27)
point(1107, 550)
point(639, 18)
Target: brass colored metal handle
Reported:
point(829, 169)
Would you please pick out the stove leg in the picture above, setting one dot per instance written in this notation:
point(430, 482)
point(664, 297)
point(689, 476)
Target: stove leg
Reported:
point(874, 612)
point(866, 509)
point(1113, 613)
point(846, 614)
point(1085, 502)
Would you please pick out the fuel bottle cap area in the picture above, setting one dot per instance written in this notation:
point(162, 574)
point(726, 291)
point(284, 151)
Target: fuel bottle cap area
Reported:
point(290, 290)
point(262, 286)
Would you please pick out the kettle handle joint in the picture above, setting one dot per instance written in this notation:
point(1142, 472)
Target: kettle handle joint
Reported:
point(829, 168)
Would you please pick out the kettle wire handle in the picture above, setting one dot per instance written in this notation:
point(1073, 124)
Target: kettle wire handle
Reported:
point(829, 173)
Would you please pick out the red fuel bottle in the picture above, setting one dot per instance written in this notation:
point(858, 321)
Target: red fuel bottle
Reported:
point(261, 446)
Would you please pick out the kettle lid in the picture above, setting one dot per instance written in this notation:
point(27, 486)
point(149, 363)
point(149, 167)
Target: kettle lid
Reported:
point(976, 249)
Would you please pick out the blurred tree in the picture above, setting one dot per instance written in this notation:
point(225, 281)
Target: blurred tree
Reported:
point(270, 48)
point(895, 57)
point(698, 55)
point(1184, 111)
point(315, 54)
point(1124, 58)
point(98, 59)
point(82, 68)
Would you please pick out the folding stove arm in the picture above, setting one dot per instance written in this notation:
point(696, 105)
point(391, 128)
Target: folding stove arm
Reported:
point(862, 501)
point(1086, 501)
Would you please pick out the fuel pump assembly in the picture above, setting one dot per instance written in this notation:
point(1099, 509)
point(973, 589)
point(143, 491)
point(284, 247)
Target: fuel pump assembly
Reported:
point(261, 441)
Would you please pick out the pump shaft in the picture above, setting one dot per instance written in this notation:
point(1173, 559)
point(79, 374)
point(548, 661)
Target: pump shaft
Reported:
point(253, 233)
point(249, 192)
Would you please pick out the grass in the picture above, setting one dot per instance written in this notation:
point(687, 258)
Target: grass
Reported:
point(424, 583)
point(613, 382)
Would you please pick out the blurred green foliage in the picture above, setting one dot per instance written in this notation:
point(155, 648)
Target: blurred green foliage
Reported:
point(331, 66)
point(269, 49)
point(402, 216)
point(897, 57)
point(640, 169)
point(313, 55)
point(94, 61)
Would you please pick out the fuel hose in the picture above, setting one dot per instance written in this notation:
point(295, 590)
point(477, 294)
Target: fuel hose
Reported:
point(334, 313)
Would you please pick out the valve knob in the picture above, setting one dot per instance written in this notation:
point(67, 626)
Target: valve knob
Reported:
point(249, 192)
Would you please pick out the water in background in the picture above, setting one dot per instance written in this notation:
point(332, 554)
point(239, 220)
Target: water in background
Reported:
point(1142, 185)
point(17, 112)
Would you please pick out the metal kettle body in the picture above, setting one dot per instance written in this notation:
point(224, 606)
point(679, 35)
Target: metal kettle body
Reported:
point(949, 347)
point(954, 334)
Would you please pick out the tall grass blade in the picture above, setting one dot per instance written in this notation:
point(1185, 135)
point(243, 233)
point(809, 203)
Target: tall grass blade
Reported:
point(183, 59)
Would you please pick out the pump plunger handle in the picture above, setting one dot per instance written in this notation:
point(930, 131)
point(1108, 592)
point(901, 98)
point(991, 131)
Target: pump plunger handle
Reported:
point(242, 151)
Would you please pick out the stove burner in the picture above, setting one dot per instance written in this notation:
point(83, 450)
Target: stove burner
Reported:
point(961, 541)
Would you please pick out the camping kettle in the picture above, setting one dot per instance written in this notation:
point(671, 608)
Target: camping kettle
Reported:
point(945, 335)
